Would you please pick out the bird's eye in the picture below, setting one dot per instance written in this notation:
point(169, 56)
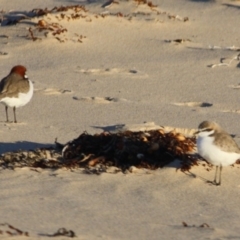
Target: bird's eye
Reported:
point(208, 129)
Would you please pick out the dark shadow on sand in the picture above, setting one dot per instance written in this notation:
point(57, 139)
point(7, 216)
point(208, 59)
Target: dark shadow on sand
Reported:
point(22, 145)
point(231, 5)
point(193, 175)
point(110, 128)
point(16, 17)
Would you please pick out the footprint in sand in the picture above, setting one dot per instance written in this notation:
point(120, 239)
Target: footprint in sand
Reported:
point(111, 71)
point(53, 91)
point(194, 104)
point(99, 99)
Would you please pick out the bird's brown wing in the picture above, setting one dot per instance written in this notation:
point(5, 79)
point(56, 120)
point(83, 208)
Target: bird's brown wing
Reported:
point(226, 142)
point(12, 84)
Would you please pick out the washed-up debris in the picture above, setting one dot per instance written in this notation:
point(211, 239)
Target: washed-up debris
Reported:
point(204, 225)
point(101, 152)
point(178, 40)
point(54, 28)
point(237, 58)
point(41, 12)
point(7, 229)
point(151, 149)
point(14, 17)
point(61, 232)
point(45, 23)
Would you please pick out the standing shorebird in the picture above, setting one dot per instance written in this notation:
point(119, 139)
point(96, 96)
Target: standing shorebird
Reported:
point(217, 147)
point(15, 90)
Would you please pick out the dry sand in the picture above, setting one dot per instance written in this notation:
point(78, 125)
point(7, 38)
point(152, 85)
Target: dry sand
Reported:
point(122, 65)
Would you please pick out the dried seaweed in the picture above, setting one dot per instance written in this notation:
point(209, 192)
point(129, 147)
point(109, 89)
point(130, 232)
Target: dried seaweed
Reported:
point(15, 18)
point(150, 149)
point(41, 12)
point(42, 25)
point(148, 3)
point(11, 230)
point(62, 232)
point(46, 25)
point(178, 40)
point(204, 225)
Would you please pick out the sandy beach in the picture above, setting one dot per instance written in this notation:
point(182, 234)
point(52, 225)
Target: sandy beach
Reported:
point(101, 65)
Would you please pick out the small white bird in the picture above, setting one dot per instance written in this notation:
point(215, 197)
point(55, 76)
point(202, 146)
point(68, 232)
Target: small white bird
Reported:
point(217, 147)
point(15, 90)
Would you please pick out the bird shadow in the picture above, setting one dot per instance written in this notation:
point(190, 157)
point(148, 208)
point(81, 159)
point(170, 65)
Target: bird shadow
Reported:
point(193, 175)
point(231, 5)
point(22, 145)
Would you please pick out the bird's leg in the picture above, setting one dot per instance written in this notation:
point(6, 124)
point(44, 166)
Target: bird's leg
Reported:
point(14, 112)
point(6, 110)
point(214, 182)
point(215, 178)
point(220, 176)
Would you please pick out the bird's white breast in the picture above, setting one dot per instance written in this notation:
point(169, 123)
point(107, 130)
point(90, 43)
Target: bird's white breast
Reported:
point(213, 154)
point(21, 100)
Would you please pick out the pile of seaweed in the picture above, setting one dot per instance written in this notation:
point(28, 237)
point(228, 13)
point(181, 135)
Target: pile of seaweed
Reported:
point(99, 152)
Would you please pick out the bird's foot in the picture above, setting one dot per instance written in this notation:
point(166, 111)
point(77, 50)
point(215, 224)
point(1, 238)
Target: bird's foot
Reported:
point(10, 121)
point(214, 183)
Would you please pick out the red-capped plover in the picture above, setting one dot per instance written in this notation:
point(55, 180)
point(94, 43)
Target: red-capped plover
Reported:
point(15, 90)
